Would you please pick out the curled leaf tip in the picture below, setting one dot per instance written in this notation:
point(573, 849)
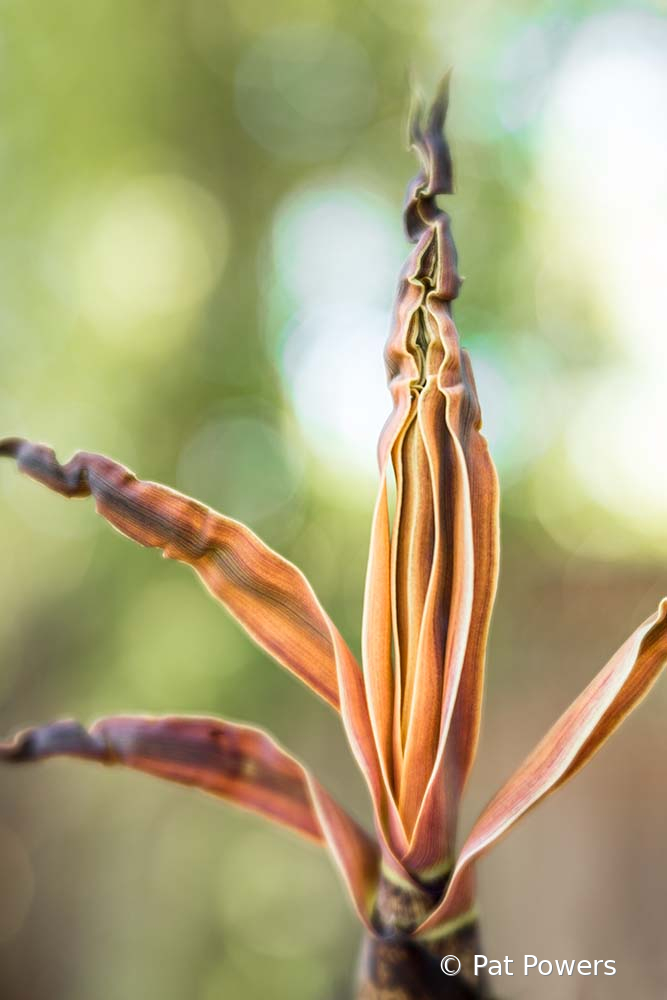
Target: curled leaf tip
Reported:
point(415, 116)
point(40, 463)
point(17, 751)
point(268, 595)
point(427, 136)
point(426, 132)
point(438, 111)
point(68, 738)
point(9, 447)
point(237, 763)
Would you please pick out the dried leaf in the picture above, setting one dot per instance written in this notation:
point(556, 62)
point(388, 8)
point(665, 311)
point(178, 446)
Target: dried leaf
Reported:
point(573, 740)
point(264, 592)
point(444, 544)
point(267, 594)
point(474, 573)
point(240, 764)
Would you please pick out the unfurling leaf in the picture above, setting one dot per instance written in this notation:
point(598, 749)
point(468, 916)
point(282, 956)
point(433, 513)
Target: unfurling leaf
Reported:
point(432, 574)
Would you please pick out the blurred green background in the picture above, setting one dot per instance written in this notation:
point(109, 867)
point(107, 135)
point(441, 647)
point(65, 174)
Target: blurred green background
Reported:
point(200, 237)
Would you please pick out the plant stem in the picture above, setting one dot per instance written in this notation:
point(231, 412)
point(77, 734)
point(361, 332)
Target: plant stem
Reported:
point(395, 966)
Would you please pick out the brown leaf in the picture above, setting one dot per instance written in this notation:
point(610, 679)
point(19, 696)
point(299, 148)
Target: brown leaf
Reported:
point(444, 538)
point(240, 764)
point(474, 542)
point(264, 592)
point(267, 594)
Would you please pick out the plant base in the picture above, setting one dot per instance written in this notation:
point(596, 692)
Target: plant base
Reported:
point(395, 966)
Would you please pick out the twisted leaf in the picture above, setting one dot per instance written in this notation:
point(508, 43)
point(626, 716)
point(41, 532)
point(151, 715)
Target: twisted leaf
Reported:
point(268, 595)
point(430, 587)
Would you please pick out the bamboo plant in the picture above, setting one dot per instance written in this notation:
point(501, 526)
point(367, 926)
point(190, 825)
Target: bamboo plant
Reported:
point(411, 710)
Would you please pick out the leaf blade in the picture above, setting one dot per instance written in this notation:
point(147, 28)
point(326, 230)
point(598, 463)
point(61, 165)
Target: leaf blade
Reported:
point(269, 596)
point(240, 764)
point(571, 742)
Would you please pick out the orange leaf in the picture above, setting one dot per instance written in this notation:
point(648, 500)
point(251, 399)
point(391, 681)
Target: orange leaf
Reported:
point(267, 594)
point(569, 744)
point(264, 592)
point(444, 539)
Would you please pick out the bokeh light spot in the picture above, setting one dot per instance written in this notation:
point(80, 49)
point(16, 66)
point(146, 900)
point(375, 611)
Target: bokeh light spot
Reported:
point(154, 248)
point(333, 367)
point(604, 163)
point(334, 242)
point(616, 451)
